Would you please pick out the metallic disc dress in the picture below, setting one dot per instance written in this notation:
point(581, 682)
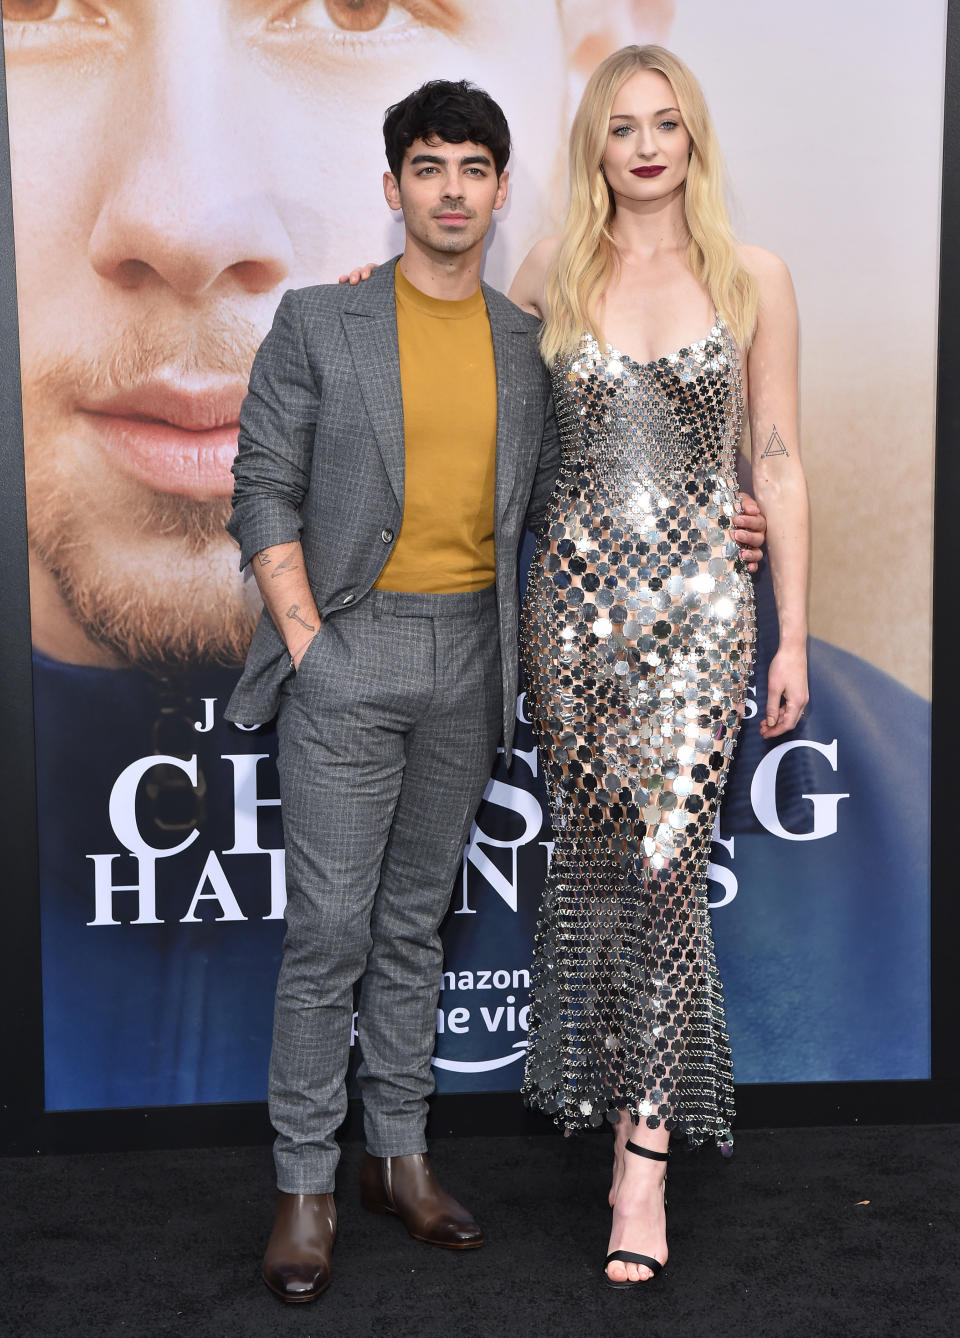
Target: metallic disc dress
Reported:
point(637, 636)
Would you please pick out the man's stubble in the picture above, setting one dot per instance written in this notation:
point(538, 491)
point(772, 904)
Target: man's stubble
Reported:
point(150, 577)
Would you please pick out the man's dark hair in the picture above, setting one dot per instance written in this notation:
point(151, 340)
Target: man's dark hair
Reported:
point(452, 112)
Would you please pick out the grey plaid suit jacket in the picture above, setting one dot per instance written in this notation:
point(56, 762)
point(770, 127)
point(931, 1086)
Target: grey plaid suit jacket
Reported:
point(321, 459)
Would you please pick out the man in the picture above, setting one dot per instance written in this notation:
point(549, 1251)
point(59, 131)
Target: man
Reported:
point(176, 166)
point(395, 441)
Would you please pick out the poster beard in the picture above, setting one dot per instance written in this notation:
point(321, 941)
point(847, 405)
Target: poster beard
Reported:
point(149, 576)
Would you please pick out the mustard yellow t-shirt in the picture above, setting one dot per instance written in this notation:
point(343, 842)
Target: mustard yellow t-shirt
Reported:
point(449, 384)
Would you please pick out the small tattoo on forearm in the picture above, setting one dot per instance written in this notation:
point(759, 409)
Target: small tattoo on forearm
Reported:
point(264, 558)
point(288, 564)
point(774, 446)
point(294, 612)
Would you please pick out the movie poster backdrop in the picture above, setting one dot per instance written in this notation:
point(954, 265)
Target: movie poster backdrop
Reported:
point(176, 168)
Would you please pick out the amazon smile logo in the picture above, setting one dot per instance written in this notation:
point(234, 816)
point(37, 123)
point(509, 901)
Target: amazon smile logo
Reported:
point(481, 1065)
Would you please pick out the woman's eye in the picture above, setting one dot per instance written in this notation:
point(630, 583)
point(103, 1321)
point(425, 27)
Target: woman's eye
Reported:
point(668, 125)
point(352, 16)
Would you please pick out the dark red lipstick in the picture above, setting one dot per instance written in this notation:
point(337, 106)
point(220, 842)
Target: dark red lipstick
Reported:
point(647, 171)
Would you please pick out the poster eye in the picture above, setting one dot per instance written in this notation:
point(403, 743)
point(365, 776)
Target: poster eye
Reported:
point(357, 16)
point(35, 11)
point(25, 11)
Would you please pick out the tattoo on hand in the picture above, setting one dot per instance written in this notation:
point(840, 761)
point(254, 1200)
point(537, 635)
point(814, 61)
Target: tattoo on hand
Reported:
point(294, 612)
point(288, 564)
point(774, 446)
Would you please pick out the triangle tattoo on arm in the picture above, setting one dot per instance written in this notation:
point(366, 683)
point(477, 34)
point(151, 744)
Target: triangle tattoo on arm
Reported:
point(774, 446)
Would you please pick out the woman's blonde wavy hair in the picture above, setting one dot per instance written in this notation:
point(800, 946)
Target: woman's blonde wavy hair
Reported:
point(587, 256)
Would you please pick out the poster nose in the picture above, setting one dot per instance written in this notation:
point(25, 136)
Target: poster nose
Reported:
point(184, 194)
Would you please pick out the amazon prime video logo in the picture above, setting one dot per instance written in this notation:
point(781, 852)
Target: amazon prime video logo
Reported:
point(480, 1011)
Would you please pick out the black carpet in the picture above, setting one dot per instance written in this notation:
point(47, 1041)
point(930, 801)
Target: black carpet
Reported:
point(775, 1241)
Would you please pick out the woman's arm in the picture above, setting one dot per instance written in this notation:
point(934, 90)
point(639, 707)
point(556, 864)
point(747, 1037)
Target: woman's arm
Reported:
point(528, 289)
point(778, 482)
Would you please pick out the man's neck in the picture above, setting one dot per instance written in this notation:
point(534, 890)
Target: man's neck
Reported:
point(447, 277)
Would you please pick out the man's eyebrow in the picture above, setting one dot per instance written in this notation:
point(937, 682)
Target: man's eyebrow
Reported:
point(470, 161)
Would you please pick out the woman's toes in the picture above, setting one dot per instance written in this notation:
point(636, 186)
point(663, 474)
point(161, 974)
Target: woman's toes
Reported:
point(618, 1271)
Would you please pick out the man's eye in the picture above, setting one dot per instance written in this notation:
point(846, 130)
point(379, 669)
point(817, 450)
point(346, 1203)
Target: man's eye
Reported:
point(352, 16)
point(35, 11)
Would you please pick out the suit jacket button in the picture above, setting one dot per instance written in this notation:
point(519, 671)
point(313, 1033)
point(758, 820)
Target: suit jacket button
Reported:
point(387, 536)
point(348, 599)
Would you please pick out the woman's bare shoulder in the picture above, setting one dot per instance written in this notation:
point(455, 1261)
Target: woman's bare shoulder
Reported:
point(777, 319)
point(543, 251)
point(768, 269)
point(529, 285)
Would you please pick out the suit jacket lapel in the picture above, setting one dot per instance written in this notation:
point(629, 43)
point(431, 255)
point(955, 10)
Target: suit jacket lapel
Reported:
point(370, 328)
point(505, 329)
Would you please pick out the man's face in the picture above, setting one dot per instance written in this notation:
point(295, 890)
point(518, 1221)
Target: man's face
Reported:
point(176, 167)
point(447, 194)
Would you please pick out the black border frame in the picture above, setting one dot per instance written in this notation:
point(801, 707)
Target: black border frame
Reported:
point(25, 1127)
point(21, 1036)
point(945, 909)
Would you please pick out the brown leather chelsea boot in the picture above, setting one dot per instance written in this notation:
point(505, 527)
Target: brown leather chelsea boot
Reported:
point(408, 1187)
point(296, 1266)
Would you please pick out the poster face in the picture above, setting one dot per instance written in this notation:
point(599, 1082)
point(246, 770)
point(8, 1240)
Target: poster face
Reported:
point(176, 168)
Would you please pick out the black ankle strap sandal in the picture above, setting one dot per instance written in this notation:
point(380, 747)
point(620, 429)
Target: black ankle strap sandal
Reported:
point(627, 1256)
point(647, 1152)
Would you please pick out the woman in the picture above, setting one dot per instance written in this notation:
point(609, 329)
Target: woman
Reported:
point(638, 629)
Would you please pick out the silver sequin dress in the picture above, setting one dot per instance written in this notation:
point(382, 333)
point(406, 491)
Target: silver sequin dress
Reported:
point(637, 637)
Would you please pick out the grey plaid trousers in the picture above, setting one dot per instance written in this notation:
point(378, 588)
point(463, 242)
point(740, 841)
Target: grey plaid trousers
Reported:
point(387, 734)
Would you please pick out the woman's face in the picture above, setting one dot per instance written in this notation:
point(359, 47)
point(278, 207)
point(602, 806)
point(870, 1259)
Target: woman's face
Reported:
point(647, 148)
